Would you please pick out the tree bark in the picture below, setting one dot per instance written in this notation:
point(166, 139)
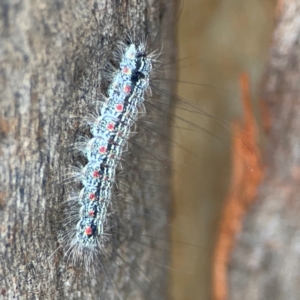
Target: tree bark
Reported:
point(53, 54)
point(265, 261)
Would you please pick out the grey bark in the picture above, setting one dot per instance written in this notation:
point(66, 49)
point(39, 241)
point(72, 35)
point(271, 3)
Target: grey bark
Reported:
point(53, 54)
point(265, 262)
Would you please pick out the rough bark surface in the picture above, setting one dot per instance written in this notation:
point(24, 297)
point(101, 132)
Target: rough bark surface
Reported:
point(52, 57)
point(265, 262)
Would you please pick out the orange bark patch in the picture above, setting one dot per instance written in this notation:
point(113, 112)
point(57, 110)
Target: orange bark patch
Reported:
point(246, 176)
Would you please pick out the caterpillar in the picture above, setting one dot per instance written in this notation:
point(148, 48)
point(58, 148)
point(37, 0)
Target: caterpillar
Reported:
point(110, 132)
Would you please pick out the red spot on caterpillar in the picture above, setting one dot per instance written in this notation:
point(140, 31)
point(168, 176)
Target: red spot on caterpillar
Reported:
point(127, 89)
point(96, 174)
point(102, 149)
point(126, 70)
point(92, 196)
point(110, 126)
point(88, 230)
point(91, 213)
point(119, 107)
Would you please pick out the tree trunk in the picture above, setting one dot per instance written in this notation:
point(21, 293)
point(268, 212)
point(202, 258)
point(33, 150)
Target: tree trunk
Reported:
point(265, 261)
point(53, 54)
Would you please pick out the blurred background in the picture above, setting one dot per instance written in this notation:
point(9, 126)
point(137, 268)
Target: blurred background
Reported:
point(217, 41)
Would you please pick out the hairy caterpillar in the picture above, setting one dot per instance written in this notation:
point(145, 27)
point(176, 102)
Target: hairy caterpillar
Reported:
point(110, 132)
